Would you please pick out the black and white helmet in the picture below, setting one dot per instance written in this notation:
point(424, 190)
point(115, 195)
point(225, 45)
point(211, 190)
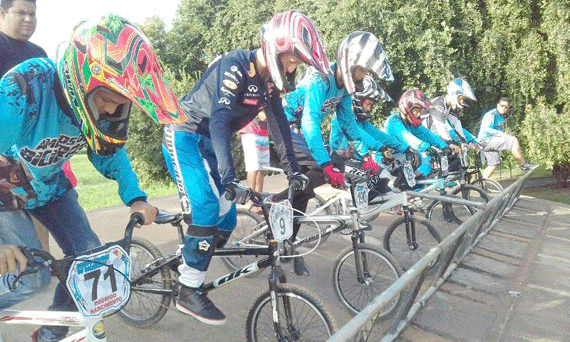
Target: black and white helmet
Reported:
point(369, 89)
point(362, 49)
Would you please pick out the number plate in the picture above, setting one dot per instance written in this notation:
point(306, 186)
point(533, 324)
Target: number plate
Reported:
point(444, 166)
point(99, 282)
point(409, 175)
point(361, 197)
point(281, 219)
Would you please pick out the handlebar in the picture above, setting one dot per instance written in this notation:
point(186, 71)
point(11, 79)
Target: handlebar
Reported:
point(61, 267)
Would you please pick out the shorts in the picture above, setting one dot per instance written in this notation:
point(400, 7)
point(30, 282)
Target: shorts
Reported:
point(255, 151)
point(496, 144)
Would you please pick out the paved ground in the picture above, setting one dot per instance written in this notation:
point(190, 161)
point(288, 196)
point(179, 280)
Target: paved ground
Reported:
point(514, 287)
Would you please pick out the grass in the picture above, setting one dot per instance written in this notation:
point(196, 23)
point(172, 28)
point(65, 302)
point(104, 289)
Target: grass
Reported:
point(95, 191)
point(551, 191)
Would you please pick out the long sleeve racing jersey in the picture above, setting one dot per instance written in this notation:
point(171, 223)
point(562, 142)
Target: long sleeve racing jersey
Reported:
point(493, 124)
point(373, 137)
point(419, 138)
point(39, 134)
point(318, 98)
point(227, 97)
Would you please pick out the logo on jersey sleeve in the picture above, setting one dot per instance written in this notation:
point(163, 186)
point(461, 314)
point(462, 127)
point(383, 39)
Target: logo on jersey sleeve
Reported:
point(51, 150)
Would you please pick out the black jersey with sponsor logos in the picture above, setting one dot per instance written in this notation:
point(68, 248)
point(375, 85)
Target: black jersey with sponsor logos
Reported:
point(227, 97)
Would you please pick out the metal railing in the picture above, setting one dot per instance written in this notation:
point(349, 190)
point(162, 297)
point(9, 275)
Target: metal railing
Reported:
point(448, 254)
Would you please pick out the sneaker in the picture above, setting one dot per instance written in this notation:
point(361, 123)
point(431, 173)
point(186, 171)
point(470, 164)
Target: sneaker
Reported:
point(300, 266)
point(527, 167)
point(195, 302)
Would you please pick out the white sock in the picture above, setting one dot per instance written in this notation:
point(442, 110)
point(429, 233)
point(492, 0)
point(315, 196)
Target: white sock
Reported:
point(191, 277)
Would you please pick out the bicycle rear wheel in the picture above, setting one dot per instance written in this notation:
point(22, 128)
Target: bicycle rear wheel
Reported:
point(491, 186)
point(301, 316)
point(409, 252)
point(145, 309)
point(247, 223)
point(380, 270)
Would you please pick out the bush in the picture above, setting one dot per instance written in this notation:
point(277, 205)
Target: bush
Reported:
point(546, 133)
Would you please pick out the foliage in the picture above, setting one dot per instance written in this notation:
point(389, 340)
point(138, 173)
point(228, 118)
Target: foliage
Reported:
point(517, 48)
point(547, 133)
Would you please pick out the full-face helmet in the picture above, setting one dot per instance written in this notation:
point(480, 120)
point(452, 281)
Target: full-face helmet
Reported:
point(112, 54)
point(458, 91)
point(413, 98)
point(291, 32)
point(368, 89)
point(362, 50)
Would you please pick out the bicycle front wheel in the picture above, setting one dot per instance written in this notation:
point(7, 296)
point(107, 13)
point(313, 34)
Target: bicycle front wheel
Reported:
point(378, 270)
point(247, 224)
point(409, 247)
point(301, 317)
point(145, 309)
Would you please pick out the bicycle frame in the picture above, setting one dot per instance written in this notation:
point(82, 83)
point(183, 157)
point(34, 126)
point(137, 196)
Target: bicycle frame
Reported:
point(94, 328)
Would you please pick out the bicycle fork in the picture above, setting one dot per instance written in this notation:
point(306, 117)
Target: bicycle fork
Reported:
point(283, 306)
point(357, 237)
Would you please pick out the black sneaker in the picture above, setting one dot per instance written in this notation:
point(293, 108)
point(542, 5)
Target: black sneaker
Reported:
point(300, 266)
point(195, 302)
point(527, 167)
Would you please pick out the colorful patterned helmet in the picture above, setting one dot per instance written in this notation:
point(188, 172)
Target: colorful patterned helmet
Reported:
point(291, 32)
point(368, 89)
point(111, 53)
point(410, 99)
point(459, 87)
point(362, 49)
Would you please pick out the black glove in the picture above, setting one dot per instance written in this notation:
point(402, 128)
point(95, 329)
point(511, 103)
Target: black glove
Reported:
point(414, 157)
point(237, 192)
point(387, 156)
point(446, 151)
point(298, 180)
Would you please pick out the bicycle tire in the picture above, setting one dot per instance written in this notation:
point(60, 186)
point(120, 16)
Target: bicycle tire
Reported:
point(459, 213)
point(491, 186)
point(247, 222)
point(395, 240)
point(308, 313)
point(354, 293)
point(144, 309)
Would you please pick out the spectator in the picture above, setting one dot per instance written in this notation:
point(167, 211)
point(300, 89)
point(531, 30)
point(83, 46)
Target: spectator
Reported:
point(494, 139)
point(18, 24)
point(255, 142)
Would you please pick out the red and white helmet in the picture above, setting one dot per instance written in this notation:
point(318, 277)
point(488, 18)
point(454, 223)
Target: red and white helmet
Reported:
point(362, 49)
point(291, 32)
point(410, 99)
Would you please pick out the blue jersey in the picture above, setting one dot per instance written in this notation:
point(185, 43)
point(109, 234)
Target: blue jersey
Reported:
point(493, 124)
point(319, 97)
point(39, 135)
point(418, 138)
point(373, 137)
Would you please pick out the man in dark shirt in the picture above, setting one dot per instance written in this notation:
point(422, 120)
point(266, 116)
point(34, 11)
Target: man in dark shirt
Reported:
point(18, 24)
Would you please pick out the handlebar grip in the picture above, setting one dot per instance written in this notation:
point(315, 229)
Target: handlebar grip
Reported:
point(295, 184)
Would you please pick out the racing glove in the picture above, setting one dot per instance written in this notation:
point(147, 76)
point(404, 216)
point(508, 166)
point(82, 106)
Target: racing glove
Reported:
point(237, 192)
point(336, 178)
point(299, 180)
point(369, 164)
point(413, 157)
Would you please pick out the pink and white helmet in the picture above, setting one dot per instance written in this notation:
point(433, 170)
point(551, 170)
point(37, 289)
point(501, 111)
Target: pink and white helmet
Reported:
point(362, 49)
point(291, 32)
